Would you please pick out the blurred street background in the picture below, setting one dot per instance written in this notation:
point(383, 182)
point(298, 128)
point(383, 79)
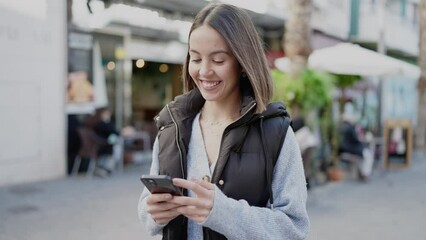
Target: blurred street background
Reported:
point(81, 82)
point(391, 206)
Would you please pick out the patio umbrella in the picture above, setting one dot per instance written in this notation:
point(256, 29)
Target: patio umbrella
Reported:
point(351, 59)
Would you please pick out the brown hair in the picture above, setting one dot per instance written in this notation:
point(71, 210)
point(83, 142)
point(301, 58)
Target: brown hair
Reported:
point(236, 27)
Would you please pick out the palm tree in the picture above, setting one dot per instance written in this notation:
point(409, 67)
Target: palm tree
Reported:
point(298, 35)
point(69, 10)
point(421, 123)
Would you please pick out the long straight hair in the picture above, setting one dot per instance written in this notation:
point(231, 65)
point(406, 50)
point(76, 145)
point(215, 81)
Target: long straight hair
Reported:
point(236, 27)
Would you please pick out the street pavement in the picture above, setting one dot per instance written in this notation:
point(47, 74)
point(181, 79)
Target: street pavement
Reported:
point(391, 206)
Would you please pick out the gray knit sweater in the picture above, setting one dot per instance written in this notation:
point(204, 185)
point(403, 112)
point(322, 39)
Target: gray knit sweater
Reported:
point(236, 219)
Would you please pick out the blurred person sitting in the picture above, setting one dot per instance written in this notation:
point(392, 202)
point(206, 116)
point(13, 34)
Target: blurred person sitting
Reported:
point(106, 130)
point(87, 156)
point(73, 140)
point(353, 141)
point(307, 143)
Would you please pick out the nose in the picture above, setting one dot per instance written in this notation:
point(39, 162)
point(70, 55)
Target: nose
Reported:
point(205, 69)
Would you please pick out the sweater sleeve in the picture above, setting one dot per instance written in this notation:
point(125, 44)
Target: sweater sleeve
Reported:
point(289, 218)
point(146, 219)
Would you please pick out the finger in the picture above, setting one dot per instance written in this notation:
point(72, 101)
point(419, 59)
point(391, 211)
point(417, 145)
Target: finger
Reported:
point(180, 182)
point(203, 203)
point(190, 185)
point(199, 219)
point(192, 211)
point(162, 206)
point(166, 220)
point(162, 220)
point(204, 184)
point(157, 197)
point(165, 214)
point(186, 201)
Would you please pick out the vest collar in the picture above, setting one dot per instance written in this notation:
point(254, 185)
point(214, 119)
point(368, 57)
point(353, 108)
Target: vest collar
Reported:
point(189, 104)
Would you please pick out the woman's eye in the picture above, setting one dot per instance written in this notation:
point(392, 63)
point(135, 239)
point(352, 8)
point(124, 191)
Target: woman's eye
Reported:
point(218, 61)
point(196, 60)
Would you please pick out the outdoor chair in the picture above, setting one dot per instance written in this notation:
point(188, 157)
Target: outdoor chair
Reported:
point(352, 160)
point(90, 143)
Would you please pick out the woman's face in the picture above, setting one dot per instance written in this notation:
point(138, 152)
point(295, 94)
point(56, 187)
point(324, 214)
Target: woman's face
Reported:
point(212, 66)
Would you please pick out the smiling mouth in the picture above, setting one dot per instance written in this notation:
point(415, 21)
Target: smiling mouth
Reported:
point(209, 84)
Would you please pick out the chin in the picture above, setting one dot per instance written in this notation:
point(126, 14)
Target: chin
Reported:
point(209, 97)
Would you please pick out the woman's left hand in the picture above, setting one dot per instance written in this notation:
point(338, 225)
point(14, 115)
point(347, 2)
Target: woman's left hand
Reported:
point(195, 208)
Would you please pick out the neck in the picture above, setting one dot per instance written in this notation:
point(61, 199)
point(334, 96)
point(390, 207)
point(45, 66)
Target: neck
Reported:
point(212, 112)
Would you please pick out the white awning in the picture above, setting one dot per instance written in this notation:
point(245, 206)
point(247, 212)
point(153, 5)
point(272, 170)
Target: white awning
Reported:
point(348, 58)
point(167, 52)
point(351, 59)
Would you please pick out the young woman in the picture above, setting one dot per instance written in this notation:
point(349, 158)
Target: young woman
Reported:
point(216, 142)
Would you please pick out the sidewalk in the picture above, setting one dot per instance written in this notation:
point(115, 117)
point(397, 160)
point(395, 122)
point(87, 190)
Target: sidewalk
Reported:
point(74, 208)
point(391, 206)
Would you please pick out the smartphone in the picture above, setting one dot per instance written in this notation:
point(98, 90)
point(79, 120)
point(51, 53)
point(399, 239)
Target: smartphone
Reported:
point(160, 184)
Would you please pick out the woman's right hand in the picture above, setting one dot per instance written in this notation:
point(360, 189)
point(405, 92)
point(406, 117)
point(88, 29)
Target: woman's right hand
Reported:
point(161, 210)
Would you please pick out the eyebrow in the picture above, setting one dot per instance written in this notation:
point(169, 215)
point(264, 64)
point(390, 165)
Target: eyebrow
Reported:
point(212, 53)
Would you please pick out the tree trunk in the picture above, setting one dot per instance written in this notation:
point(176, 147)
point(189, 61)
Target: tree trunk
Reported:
point(69, 11)
point(298, 35)
point(421, 87)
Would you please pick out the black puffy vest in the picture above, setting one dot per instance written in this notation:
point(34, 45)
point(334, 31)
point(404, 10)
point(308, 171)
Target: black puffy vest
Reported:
point(241, 167)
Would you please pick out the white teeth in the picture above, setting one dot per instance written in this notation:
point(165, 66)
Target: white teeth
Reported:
point(210, 84)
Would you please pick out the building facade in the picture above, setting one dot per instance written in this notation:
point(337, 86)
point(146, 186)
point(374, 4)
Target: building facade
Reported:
point(32, 90)
point(34, 67)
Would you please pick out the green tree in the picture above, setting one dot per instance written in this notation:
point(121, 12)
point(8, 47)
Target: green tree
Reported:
point(311, 90)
